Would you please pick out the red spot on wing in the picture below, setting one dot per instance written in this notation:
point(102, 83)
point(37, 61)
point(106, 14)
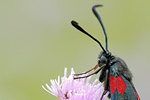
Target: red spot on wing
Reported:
point(112, 84)
point(117, 83)
point(138, 98)
point(121, 85)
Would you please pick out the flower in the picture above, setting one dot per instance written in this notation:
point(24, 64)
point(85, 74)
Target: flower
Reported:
point(79, 89)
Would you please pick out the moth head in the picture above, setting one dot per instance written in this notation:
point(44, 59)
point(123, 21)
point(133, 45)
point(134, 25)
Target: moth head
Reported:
point(104, 58)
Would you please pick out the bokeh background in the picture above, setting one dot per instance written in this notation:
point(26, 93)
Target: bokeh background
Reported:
point(37, 42)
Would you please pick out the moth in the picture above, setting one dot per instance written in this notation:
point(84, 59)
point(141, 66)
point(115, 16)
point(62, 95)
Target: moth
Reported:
point(115, 74)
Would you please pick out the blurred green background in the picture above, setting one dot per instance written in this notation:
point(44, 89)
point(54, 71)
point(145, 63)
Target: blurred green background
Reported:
point(37, 42)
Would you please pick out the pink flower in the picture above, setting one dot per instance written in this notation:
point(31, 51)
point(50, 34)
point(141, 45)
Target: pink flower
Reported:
point(79, 89)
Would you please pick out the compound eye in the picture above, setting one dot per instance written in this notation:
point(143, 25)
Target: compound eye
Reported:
point(103, 59)
point(99, 62)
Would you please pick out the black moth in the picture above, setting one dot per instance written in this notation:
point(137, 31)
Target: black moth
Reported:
point(114, 72)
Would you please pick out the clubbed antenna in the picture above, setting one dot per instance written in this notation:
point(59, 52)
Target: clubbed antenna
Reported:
point(76, 25)
point(99, 18)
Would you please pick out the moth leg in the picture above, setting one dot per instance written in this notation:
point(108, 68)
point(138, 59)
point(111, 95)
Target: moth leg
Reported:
point(88, 75)
point(105, 91)
point(106, 84)
point(94, 68)
point(91, 74)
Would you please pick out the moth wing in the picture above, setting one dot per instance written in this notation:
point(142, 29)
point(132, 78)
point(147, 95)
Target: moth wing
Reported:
point(120, 87)
point(138, 98)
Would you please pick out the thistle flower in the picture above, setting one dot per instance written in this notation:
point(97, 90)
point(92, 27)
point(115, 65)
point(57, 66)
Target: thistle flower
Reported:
point(79, 89)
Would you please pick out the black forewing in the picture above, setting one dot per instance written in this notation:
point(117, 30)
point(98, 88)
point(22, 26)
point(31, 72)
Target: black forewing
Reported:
point(128, 94)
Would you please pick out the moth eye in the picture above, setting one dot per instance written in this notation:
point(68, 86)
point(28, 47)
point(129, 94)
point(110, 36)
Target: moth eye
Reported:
point(103, 59)
point(99, 61)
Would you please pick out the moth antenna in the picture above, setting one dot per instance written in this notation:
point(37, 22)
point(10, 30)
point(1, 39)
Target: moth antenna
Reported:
point(99, 18)
point(76, 25)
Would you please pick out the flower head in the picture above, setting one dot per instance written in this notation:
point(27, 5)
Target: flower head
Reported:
point(79, 89)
